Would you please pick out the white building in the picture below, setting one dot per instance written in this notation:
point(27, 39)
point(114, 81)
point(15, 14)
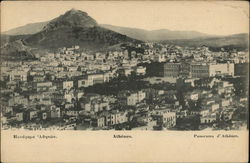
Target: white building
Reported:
point(68, 85)
point(140, 70)
point(134, 98)
point(18, 76)
point(200, 70)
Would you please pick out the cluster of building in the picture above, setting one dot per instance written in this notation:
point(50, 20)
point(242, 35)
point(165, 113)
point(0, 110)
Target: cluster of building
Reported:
point(50, 92)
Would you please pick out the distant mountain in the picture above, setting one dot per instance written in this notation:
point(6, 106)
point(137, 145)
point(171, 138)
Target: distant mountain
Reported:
point(238, 41)
point(27, 29)
point(74, 27)
point(156, 35)
point(136, 33)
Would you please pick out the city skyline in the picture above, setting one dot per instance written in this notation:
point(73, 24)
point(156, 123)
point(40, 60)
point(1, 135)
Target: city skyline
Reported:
point(215, 19)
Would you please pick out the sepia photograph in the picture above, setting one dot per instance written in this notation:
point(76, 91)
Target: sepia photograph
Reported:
point(128, 66)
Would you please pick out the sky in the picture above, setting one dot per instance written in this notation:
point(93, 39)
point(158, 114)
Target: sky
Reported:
point(219, 18)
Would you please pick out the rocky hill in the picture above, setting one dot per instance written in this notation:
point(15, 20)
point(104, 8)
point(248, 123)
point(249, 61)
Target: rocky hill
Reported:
point(75, 27)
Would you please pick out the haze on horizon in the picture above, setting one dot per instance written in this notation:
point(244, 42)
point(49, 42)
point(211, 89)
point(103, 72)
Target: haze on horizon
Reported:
point(216, 18)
